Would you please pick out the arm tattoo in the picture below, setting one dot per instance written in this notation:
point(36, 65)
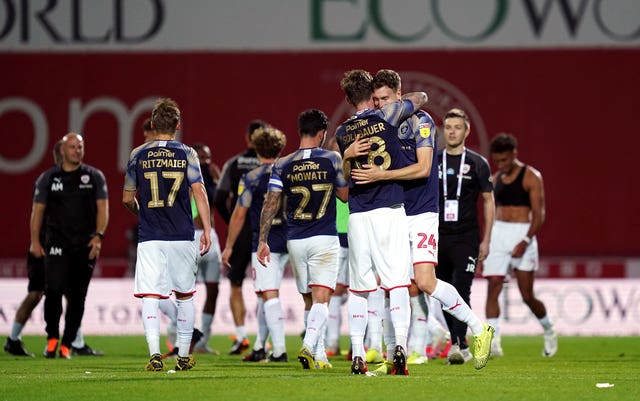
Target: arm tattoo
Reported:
point(269, 210)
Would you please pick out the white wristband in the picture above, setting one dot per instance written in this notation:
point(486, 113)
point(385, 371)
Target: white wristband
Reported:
point(527, 240)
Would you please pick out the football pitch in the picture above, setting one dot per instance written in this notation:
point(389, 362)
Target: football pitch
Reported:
point(522, 374)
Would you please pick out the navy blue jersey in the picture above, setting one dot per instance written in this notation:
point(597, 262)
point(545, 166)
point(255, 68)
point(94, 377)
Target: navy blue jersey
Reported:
point(251, 191)
point(476, 179)
point(70, 199)
point(308, 179)
point(162, 173)
point(381, 127)
point(421, 195)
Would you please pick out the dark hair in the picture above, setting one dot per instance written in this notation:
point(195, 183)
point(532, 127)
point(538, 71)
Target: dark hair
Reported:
point(503, 143)
point(458, 113)
point(146, 125)
point(254, 125)
point(388, 78)
point(198, 146)
point(311, 121)
point(268, 142)
point(165, 116)
point(357, 86)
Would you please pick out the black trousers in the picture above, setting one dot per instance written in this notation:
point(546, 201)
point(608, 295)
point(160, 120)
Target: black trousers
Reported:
point(68, 271)
point(457, 261)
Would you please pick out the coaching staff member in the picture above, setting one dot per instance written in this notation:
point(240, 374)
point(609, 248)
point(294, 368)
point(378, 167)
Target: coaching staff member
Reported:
point(70, 204)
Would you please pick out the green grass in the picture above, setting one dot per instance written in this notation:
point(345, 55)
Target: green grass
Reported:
point(522, 374)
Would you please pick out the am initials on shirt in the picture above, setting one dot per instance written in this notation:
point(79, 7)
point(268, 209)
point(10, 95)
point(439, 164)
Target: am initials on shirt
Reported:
point(55, 251)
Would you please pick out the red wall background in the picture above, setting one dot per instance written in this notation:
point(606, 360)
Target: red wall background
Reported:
point(573, 111)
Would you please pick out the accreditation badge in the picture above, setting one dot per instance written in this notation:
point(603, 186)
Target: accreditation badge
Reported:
point(451, 210)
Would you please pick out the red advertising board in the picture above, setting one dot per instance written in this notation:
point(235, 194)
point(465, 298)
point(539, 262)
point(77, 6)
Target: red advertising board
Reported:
point(573, 111)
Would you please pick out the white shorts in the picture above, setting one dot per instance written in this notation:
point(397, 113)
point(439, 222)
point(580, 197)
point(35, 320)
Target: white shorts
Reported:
point(504, 237)
point(378, 247)
point(424, 237)
point(343, 267)
point(210, 264)
point(165, 266)
point(314, 261)
point(268, 278)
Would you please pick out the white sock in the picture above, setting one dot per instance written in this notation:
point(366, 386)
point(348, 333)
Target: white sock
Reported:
point(375, 310)
point(418, 335)
point(358, 316)
point(306, 317)
point(315, 324)
point(320, 353)
point(389, 333)
point(434, 327)
point(400, 314)
point(16, 331)
point(546, 323)
point(207, 320)
point(78, 342)
point(151, 324)
point(333, 324)
point(186, 321)
point(241, 333)
point(495, 323)
point(435, 311)
point(275, 321)
point(169, 309)
point(263, 327)
point(453, 303)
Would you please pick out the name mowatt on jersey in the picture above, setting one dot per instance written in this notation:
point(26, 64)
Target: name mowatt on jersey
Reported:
point(307, 171)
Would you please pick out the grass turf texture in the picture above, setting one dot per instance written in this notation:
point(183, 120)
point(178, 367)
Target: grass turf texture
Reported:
point(522, 374)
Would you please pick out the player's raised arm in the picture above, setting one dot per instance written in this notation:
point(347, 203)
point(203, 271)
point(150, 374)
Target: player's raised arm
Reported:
point(418, 99)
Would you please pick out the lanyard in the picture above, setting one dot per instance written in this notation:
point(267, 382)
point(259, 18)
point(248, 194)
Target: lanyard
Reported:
point(444, 173)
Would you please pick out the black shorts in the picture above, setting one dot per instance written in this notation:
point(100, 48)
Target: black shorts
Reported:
point(241, 256)
point(35, 272)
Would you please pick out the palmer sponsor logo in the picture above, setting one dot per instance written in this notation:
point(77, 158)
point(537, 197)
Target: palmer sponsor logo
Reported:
point(306, 166)
point(160, 153)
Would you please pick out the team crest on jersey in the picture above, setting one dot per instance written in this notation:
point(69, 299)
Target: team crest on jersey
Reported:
point(466, 168)
point(404, 128)
point(425, 130)
point(85, 182)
